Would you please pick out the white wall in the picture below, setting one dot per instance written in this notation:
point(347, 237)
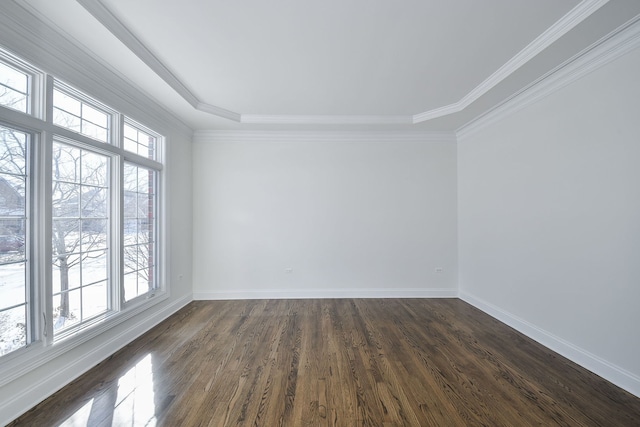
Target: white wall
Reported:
point(549, 220)
point(351, 217)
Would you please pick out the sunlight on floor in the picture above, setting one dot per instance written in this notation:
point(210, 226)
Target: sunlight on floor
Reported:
point(134, 404)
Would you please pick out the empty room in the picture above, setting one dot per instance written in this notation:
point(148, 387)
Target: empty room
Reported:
point(305, 213)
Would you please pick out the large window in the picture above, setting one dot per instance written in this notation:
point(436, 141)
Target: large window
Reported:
point(80, 235)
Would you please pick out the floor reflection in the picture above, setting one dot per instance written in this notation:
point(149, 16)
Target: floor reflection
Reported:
point(130, 403)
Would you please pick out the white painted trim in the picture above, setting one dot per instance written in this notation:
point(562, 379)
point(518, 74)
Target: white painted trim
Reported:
point(618, 376)
point(320, 136)
point(25, 399)
point(217, 111)
point(614, 45)
point(118, 29)
point(326, 120)
point(327, 293)
point(575, 16)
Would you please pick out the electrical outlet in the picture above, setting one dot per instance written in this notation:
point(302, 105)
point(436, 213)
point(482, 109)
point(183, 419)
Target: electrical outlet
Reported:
point(438, 269)
point(288, 270)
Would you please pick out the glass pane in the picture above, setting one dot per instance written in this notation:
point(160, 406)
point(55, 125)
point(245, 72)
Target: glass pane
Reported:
point(66, 273)
point(94, 116)
point(66, 200)
point(94, 299)
point(13, 329)
point(12, 240)
point(144, 281)
point(94, 267)
point(13, 150)
point(94, 202)
point(130, 145)
point(17, 80)
point(130, 259)
point(130, 133)
point(66, 163)
point(144, 252)
point(66, 120)
point(66, 103)
point(130, 286)
point(130, 231)
point(130, 178)
point(143, 181)
point(94, 234)
point(13, 99)
point(66, 309)
point(12, 195)
point(94, 169)
point(95, 132)
point(66, 236)
point(145, 231)
point(145, 205)
point(12, 284)
point(130, 204)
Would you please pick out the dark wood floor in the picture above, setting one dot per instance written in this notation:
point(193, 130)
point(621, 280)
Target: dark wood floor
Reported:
point(391, 362)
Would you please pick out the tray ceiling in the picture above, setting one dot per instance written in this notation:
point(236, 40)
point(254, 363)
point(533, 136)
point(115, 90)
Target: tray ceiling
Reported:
point(415, 63)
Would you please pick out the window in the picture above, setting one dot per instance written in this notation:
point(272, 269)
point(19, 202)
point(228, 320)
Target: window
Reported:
point(139, 142)
point(14, 289)
point(75, 114)
point(139, 230)
point(80, 235)
point(14, 88)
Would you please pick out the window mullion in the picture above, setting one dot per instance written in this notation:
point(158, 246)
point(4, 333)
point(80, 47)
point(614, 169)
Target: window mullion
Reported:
point(44, 253)
point(117, 235)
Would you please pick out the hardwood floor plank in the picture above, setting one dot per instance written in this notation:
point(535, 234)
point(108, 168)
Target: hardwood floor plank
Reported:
point(351, 362)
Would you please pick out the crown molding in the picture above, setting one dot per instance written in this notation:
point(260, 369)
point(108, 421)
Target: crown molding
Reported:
point(610, 47)
point(118, 29)
point(212, 136)
point(217, 111)
point(324, 120)
point(575, 16)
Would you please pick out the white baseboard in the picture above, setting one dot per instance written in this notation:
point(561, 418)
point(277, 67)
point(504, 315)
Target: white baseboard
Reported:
point(326, 293)
point(25, 399)
point(618, 376)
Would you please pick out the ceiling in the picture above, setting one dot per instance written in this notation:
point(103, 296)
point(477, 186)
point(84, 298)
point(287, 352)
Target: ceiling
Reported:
point(410, 64)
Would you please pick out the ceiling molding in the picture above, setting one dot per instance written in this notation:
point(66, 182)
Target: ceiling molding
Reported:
point(118, 29)
point(217, 111)
point(610, 47)
point(324, 120)
point(574, 17)
point(212, 136)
